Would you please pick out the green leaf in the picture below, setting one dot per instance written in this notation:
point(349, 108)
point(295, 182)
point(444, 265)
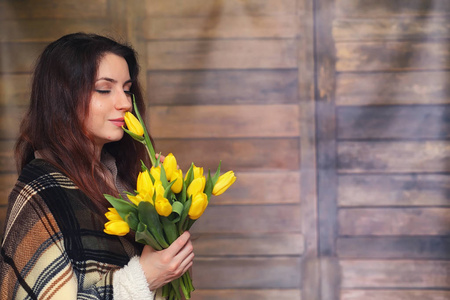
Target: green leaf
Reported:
point(190, 175)
point(170, 229)
point(149, 216)
point(123, 207)
point(177, 211)
point(143, 236)
point(184, 216)
point(132, 220)
point(209, 186)
point(134, 136)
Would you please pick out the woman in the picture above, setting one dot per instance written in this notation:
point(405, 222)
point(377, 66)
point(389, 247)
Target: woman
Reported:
point(70, 152)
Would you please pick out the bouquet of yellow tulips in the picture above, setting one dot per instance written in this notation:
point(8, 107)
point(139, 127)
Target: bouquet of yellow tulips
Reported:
point(164, 204)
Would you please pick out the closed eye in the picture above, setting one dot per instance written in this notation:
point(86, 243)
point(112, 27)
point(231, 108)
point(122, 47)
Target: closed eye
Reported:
point(103, 91)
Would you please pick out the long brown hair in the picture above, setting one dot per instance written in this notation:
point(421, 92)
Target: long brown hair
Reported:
point(63, 82)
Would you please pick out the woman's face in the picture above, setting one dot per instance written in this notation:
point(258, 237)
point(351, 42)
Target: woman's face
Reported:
point(109, 101)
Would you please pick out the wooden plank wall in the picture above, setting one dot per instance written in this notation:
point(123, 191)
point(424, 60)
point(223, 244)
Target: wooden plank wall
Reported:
point(222, 83)
point(392, 113)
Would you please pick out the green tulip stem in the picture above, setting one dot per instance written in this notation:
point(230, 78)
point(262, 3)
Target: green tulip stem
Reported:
point(148, 143)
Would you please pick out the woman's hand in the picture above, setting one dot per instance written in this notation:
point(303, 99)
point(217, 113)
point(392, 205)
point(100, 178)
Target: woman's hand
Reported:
point(161, 267)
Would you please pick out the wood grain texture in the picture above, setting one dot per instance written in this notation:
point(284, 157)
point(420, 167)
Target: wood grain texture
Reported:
point(431, 274)
point(394, 190)
point(7, 164)
point(48, 30)
point(10, 118)
point(245, 294)
point(393, 56)
point(393, 157)
point(236, 154)
point(393, 247)
point(196, 8)
point(20, 57)
point(222, 54)
point(392, 88)
point(394, 221)
point(222, 87)
point(393, 122)
point(225, 121)
point(7, 182)
point(391, 28)
point(389, 8)
point(55, 9)
point(247, 273)
point(249, 219)
point(281, 187)
point(394, 295)
point(14, 90)
point(224, 27)
point(278, 244)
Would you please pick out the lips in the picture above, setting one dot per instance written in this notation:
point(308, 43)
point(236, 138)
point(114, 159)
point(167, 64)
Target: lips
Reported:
point(118, 122)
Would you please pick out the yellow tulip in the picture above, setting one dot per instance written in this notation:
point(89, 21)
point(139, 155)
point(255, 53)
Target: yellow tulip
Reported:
point(197, 171)
point(178, 185)
point(223, 183)
point(112, 214)
point(170, 165)
point(141, 197)
point(198, 205)
point(159, 188)
point(133, 124)
point(117, 227)
point(197, 186)
point(162, 206)
point(144, 183)
point(156, 172)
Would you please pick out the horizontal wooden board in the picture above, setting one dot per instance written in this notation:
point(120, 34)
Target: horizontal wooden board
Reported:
point(7, 182)
point(191, 8)
point(61, 9)
point(277, 244)
point(390, 29)
point(394, 221)
point(394, 190)
point(247, 273)
point(244, 219)
point(7, 163)
point(389, 8)
point(393, 122)
point(393, 157)
point(10, 118)
point(20, 57)
point(38, 30)
point(222, 87)
point(222, 54)
point(431, 274)
point(394, 295)
point(219, 27)
point(245, 294)
point(392, 88)
point(225, 121)
point(14, 90)
point(393, 56)
point(235, 154)
point(259, 188)
point(385, 247)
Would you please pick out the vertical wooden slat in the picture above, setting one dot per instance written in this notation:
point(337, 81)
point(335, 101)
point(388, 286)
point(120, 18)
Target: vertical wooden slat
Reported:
point(326, 149)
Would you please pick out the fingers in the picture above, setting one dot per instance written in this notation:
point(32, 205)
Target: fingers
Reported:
point(178, 244)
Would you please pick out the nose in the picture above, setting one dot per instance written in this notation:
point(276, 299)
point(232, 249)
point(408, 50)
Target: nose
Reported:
point(123, 101)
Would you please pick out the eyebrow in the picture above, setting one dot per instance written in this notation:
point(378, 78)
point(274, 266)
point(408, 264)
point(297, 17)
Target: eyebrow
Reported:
point(113, 80)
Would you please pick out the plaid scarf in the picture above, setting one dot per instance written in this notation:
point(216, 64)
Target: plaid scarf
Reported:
point(54, 245)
